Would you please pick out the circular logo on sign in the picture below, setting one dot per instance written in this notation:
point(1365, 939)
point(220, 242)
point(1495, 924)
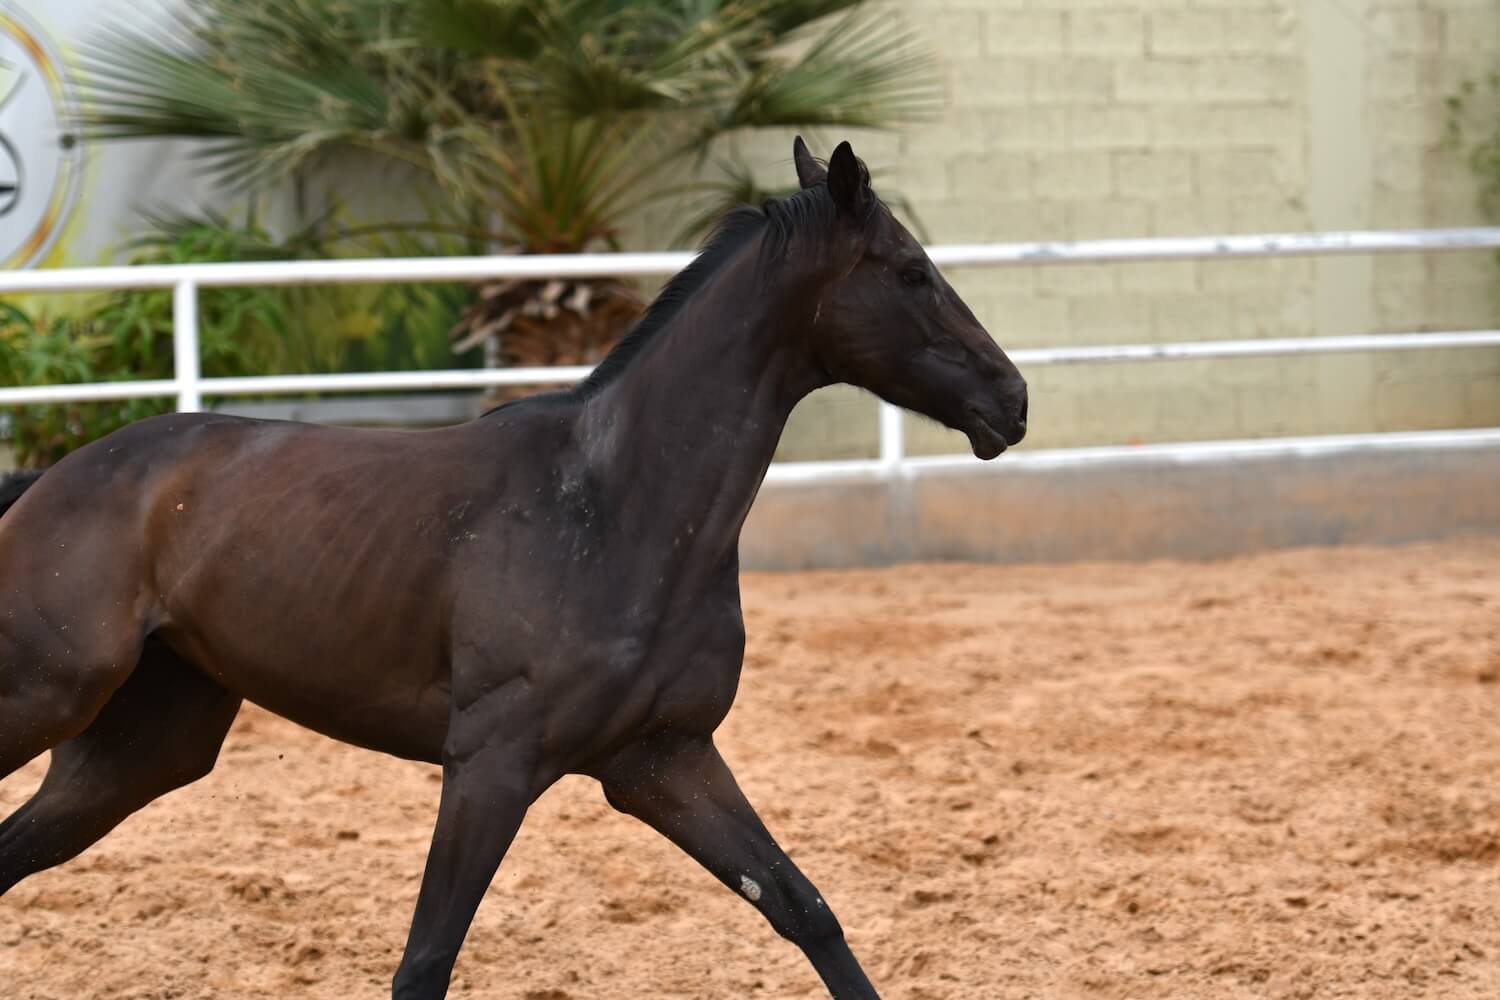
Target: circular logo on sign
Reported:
point(39, 156)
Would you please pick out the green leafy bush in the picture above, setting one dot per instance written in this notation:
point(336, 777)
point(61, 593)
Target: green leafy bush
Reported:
point(127, 335)
point(56, 350)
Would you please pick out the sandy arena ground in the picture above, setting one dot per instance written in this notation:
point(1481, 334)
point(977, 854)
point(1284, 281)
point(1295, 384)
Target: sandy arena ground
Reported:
point(1269, 777)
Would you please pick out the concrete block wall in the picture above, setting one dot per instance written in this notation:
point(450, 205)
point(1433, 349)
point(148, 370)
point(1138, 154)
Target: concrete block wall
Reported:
point(1081, 119)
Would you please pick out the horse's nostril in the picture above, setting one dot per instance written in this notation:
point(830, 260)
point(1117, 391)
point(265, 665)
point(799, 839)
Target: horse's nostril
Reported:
point(1018, 430)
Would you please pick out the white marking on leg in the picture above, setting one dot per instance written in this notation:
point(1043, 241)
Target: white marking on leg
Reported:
point(750, 888)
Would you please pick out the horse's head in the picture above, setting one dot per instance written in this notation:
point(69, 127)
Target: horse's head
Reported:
point(888, 321)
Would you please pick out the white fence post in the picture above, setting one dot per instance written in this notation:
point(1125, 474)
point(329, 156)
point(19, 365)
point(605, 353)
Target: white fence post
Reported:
point(892, 436)
point(185, 370)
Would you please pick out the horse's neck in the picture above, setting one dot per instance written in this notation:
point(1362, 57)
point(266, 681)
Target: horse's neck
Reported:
point(700, 411)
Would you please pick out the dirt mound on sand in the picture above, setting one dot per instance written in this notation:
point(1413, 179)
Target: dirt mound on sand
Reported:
point(1268, 777)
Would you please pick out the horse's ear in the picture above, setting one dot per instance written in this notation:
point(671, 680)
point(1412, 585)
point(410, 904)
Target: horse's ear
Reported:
point(848, 181)
point(809, 171)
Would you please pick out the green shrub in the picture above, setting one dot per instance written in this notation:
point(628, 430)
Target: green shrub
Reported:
point(127, 335)
point(57, 350)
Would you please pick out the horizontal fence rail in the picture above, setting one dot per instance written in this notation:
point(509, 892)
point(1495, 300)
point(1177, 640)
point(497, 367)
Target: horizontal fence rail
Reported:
point(1379, 241)
point(1182, 453)
point(606, 265)
point(1188, 349)
point(469, 378)
point(189, 387)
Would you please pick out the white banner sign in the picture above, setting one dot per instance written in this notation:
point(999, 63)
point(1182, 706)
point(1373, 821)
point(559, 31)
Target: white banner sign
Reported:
point(40, 157)
point(63, 200)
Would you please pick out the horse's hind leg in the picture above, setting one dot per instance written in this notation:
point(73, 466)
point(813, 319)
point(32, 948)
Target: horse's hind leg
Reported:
point(60, 661)
point(161, 730)
point(45, 700)
point(75, 601)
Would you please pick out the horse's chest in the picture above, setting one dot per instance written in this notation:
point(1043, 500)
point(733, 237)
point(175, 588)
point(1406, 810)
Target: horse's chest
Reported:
point(679, 672)
point(696, 677)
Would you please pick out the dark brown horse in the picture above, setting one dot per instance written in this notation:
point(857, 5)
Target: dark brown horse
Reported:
point(550, 589)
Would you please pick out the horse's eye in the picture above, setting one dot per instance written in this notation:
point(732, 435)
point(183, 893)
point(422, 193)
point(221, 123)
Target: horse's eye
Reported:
point(915, 276)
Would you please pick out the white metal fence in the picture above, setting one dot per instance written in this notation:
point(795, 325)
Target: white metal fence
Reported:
point(189, 386)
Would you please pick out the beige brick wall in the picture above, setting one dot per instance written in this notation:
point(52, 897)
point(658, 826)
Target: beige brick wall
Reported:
point(1081, 119)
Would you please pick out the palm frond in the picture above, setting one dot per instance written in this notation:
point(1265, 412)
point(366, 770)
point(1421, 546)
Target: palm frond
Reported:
point(268, 93)
point(864, 71)
point(559, 117)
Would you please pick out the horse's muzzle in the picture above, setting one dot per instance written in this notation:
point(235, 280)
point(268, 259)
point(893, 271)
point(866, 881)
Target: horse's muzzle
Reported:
point(997, 423)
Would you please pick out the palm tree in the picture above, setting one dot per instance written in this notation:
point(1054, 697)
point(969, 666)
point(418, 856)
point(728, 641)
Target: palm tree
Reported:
point(543, 124)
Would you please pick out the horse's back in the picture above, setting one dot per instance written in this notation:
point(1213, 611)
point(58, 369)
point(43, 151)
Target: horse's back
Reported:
point(103, 502)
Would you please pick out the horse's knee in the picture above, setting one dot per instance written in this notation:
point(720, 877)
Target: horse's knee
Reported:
point(795, 910)
point(815, 925)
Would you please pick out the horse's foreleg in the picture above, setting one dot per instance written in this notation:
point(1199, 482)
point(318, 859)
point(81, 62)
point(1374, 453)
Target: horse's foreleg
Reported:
point(488, 784)
point(161, 730)
point(684, 790)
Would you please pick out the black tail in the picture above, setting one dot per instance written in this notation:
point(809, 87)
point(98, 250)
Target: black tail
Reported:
point(14, 484)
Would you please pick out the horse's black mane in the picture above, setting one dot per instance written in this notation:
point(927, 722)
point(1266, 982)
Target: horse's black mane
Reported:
point(776, 221)
point(737, 228)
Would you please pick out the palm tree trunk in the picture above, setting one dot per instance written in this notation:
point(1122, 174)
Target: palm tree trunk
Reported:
point(546, 323)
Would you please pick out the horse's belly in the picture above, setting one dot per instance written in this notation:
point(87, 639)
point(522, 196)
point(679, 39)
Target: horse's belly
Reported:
point(370, 702)
point(335, 664)
point(407, 727)
point(344, 636)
